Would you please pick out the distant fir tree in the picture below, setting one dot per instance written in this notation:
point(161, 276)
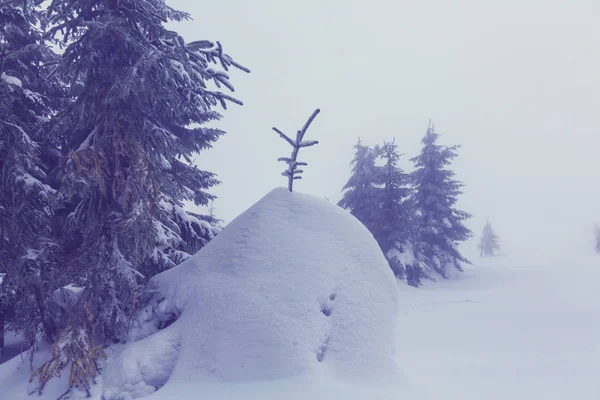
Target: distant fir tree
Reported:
point(489, 241)
point(597, 247)
point(439, 224)
point(393, 216)
point(29, 253)
point(360, 195)
point(142, 98)
point(378, 194)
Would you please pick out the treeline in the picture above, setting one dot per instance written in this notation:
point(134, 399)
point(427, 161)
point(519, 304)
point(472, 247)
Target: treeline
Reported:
point(413, 216)
point(95, 166)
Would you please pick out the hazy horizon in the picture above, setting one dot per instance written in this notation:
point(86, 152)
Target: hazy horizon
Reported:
point(515, 84)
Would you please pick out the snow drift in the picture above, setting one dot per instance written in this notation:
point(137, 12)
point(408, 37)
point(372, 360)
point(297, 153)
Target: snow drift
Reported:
point(293, 286)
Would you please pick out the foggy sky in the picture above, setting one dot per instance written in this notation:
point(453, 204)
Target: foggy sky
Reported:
point(516, 83)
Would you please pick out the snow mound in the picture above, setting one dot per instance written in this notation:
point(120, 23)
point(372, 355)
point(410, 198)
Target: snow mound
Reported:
point(293, 286)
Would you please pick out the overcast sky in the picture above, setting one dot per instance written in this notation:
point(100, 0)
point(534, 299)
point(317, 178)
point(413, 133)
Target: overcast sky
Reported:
point(516, 83)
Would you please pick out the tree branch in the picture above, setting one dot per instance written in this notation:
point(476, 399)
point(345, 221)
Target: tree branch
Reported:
point(292, 172)
point(284, 136)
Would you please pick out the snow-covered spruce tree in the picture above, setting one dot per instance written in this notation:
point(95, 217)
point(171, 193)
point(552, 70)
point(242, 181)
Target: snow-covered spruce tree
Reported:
point(127, 143)
point(28, 252)
point(393, 220)
point(489, 241)
point(360, 192)
point(439, 224)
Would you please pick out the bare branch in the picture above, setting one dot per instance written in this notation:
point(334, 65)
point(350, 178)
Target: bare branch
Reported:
point(292, 172)
point(284, 136)
point(309, 121)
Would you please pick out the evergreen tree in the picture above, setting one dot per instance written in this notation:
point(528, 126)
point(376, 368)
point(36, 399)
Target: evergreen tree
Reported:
point(379, 197)
point(439, 224)
point(360, 192)
point(393, 226)
point(28, 252)
point(393, 216)
point(597, 247)
point(142, 98)
point(489, 241)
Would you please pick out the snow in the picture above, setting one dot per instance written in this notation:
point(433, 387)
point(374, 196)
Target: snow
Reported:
point(184, 215)
point(87, 143)
point(306, 143)
point(33, 183)
point(180, 69)
point(403, 253)
point(447, 223)
point(519, 327)
point(75, 289)
point(35, 98)
point(11, 80)
point(509, 328)
point(31, 254)
point(138, 368)
point(67, 295)
point(294, 286)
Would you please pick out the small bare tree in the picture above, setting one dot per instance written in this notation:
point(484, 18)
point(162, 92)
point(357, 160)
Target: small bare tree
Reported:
point(292, 172)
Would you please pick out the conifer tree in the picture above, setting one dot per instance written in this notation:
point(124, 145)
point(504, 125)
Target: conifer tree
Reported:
point(379, 197)
point(28, 252)
point(393, 228)
point(143, 96)
point(597, 247)
point(393, 216)
point(489, 241)
point(360, 192)
point(439, 224)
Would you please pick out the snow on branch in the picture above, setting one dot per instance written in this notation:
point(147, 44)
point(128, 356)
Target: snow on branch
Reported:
point(292, 172)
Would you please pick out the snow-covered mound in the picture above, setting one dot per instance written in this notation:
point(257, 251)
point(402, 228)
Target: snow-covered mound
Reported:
point(293, 286)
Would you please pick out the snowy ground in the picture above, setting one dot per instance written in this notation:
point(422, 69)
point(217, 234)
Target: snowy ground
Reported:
point(506, 329)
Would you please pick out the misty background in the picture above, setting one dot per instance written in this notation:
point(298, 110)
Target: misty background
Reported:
point(515, 83)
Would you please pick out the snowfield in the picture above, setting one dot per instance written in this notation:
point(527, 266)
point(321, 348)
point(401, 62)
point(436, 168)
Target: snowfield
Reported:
point(506, 329)
point(294, 300)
